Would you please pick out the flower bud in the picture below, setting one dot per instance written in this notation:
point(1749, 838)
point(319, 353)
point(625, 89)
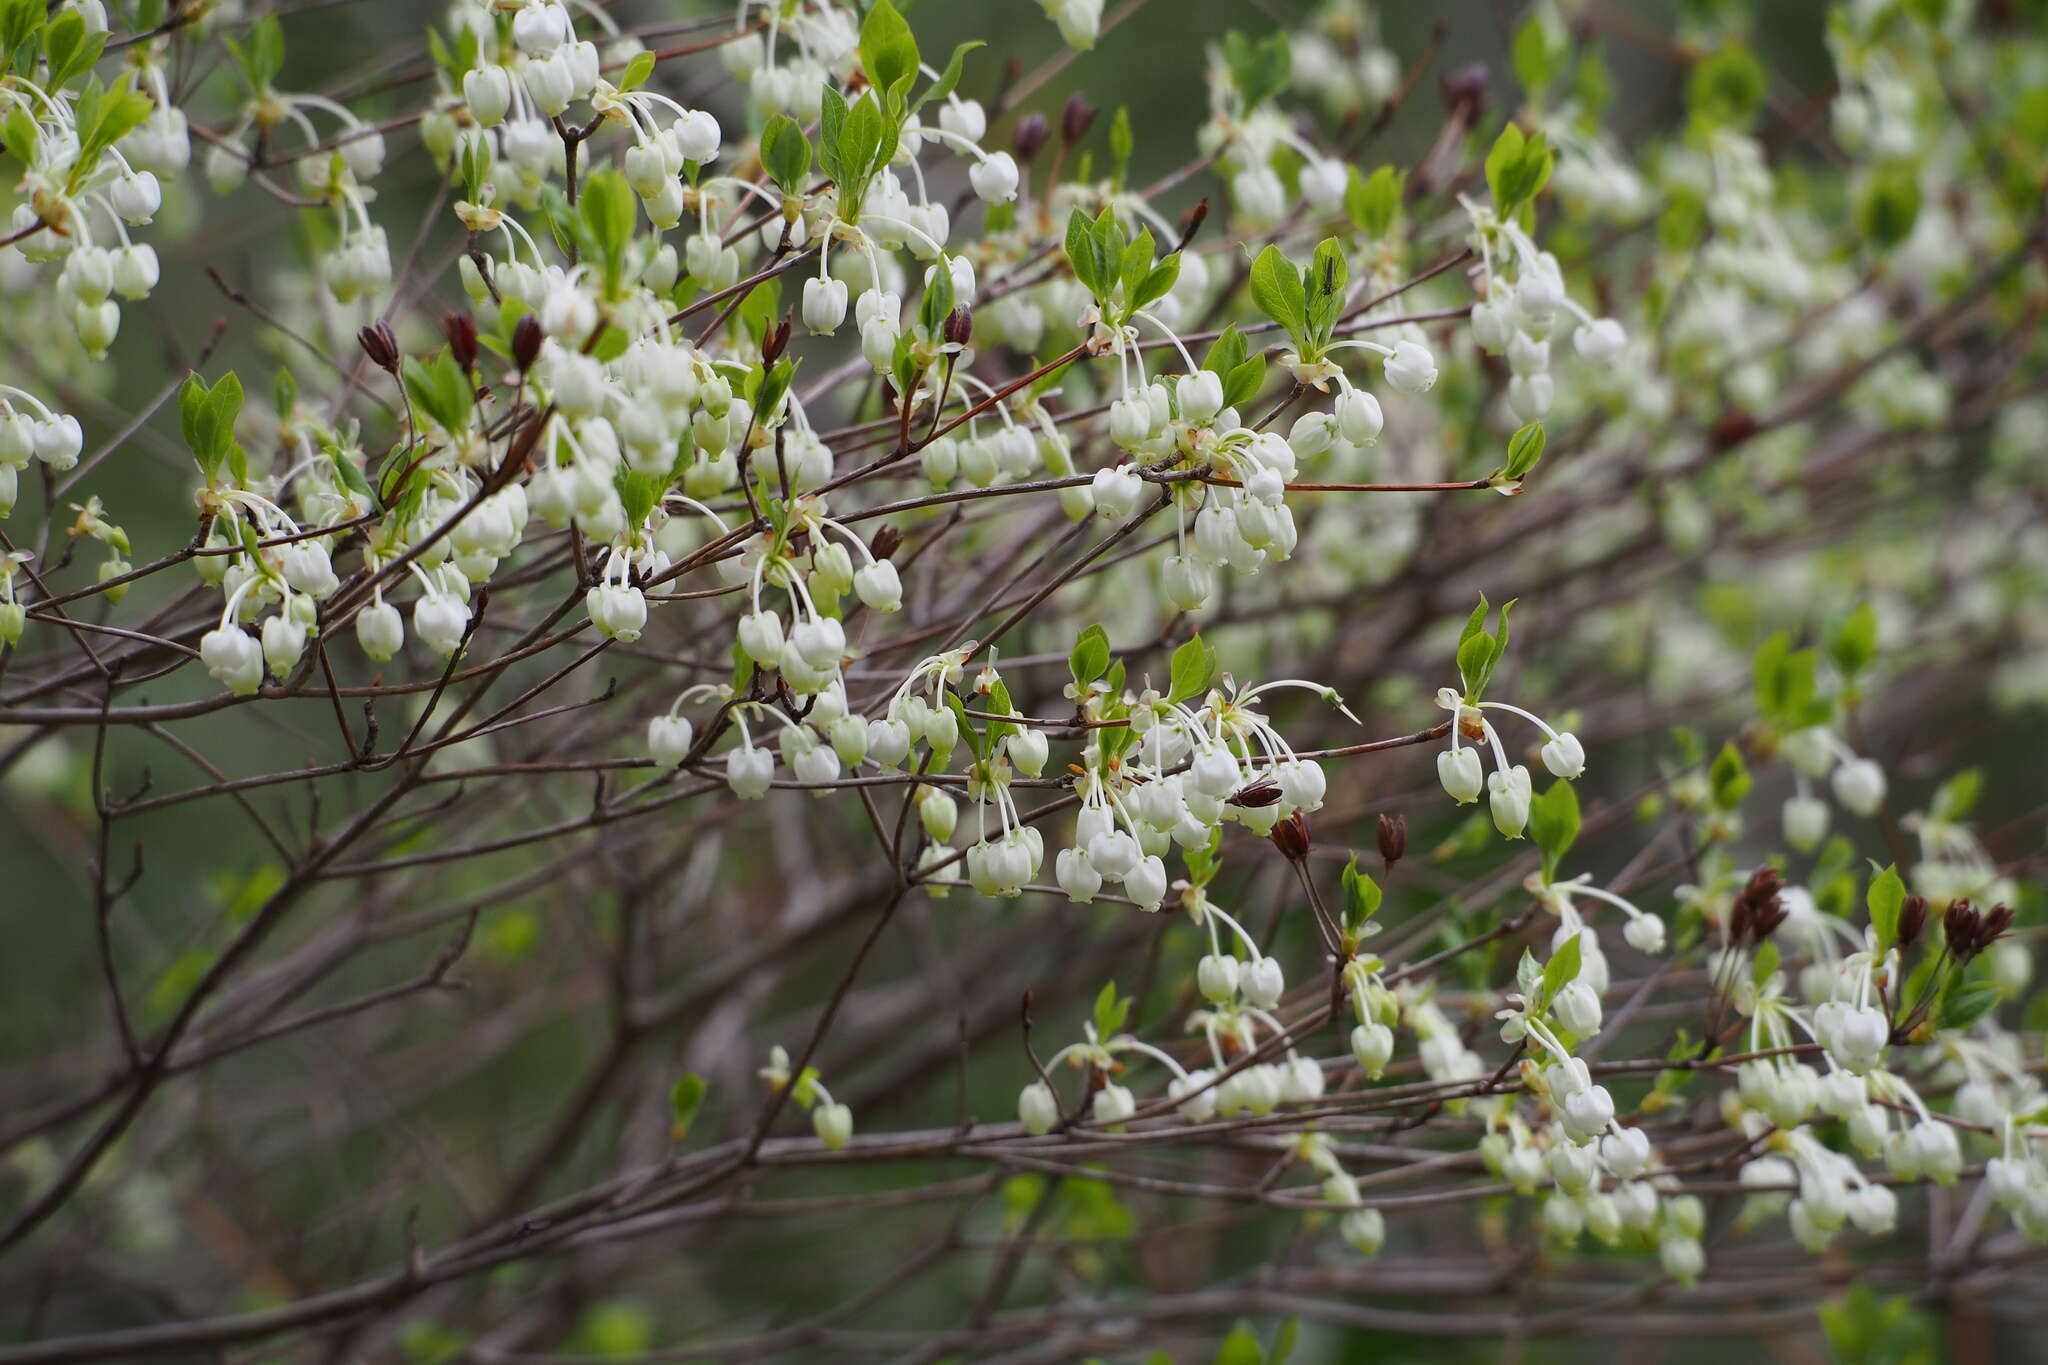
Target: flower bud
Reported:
point(1411, 369)
point(824, 304)
point(1216, 978)
point(284, 640)
point(1262, 982)
point(1037, 1108)
point(938, 814)
point(1577, 1009)
point(233, 658)
point(1359, 419)
point(380, 631)
point(1644, 933)
point(1077, 876)
point(879, 587)
point(1805, 822)
point(488, 92)
point(669, 739)
point(1461, 774)
point(697, 135)
point(1508, 794)
point(1146, 883)
point(1113, 1104)
point(994, 177)
point(749, 772)
point(833, 1124)
point(1201, 395)
point(1372, 1045)
point(1564, 756)
point(1859, 784)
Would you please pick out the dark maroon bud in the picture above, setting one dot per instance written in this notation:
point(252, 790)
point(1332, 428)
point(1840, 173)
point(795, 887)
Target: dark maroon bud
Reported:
point(1393, 838)
point(886, 542)
point(526, 339)
point(1732, 428)
point(1192, 224)
point(1075, 118)
point(1959, 925)
point(1997, 920)
point(380, 346)
point(774, 341)
point(1031, 133)
point(460, 329)
point(1290, 836)
point(1465, 88)
point(1912, 920)
point(959, 327)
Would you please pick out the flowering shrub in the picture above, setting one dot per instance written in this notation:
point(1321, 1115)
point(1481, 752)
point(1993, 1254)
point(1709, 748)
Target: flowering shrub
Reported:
point(736, 636)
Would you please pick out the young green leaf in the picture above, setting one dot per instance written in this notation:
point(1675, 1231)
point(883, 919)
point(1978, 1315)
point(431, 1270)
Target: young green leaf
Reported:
point(685, 1098)
point(1554, 824)
point(1885, 899)
point(1563, 967)
point(1192, 670)
point(1276, 289)
point(1090, 657)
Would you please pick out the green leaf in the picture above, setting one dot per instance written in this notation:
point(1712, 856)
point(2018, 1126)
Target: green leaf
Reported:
point(606, 206)
point(1258, 70)
point(1284, 1341)
point(440, 389)
point(1501, 163)
point(1525, 448)
point(19, 21)
point(949, 76)
point(206, 417)
point(832, 116)
point(1135, 264)
point(1323, 288)
point(685, 1097)
point(1106, 246)
point(1276, 289)
point(1480, 653)
point(1853, 646)
point(1889, 204)
point(1473, 656)
point(1727, 88)
point(1244, 382)
point(1562, 969)
point(1765, 966)
point(1090, 657)
point(1080, 249)
point(260, 54)
point(1192, 670)
point(1554, 824)
point(1539, 50)
point(1241, 1347)
point(1887, 895)
point(1226, 352)
point(888, 51)
point(1728, 779)
point(69, 49)
point(1157, 283)
point(1362, 896)
point(1373, 203)
point(1966, 1003)
point(786, 153)
point(1110, 1012)
point(1956, 798)
point(1120, 141)
point(20, 135)
point(637, 71)
point(104, 117)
